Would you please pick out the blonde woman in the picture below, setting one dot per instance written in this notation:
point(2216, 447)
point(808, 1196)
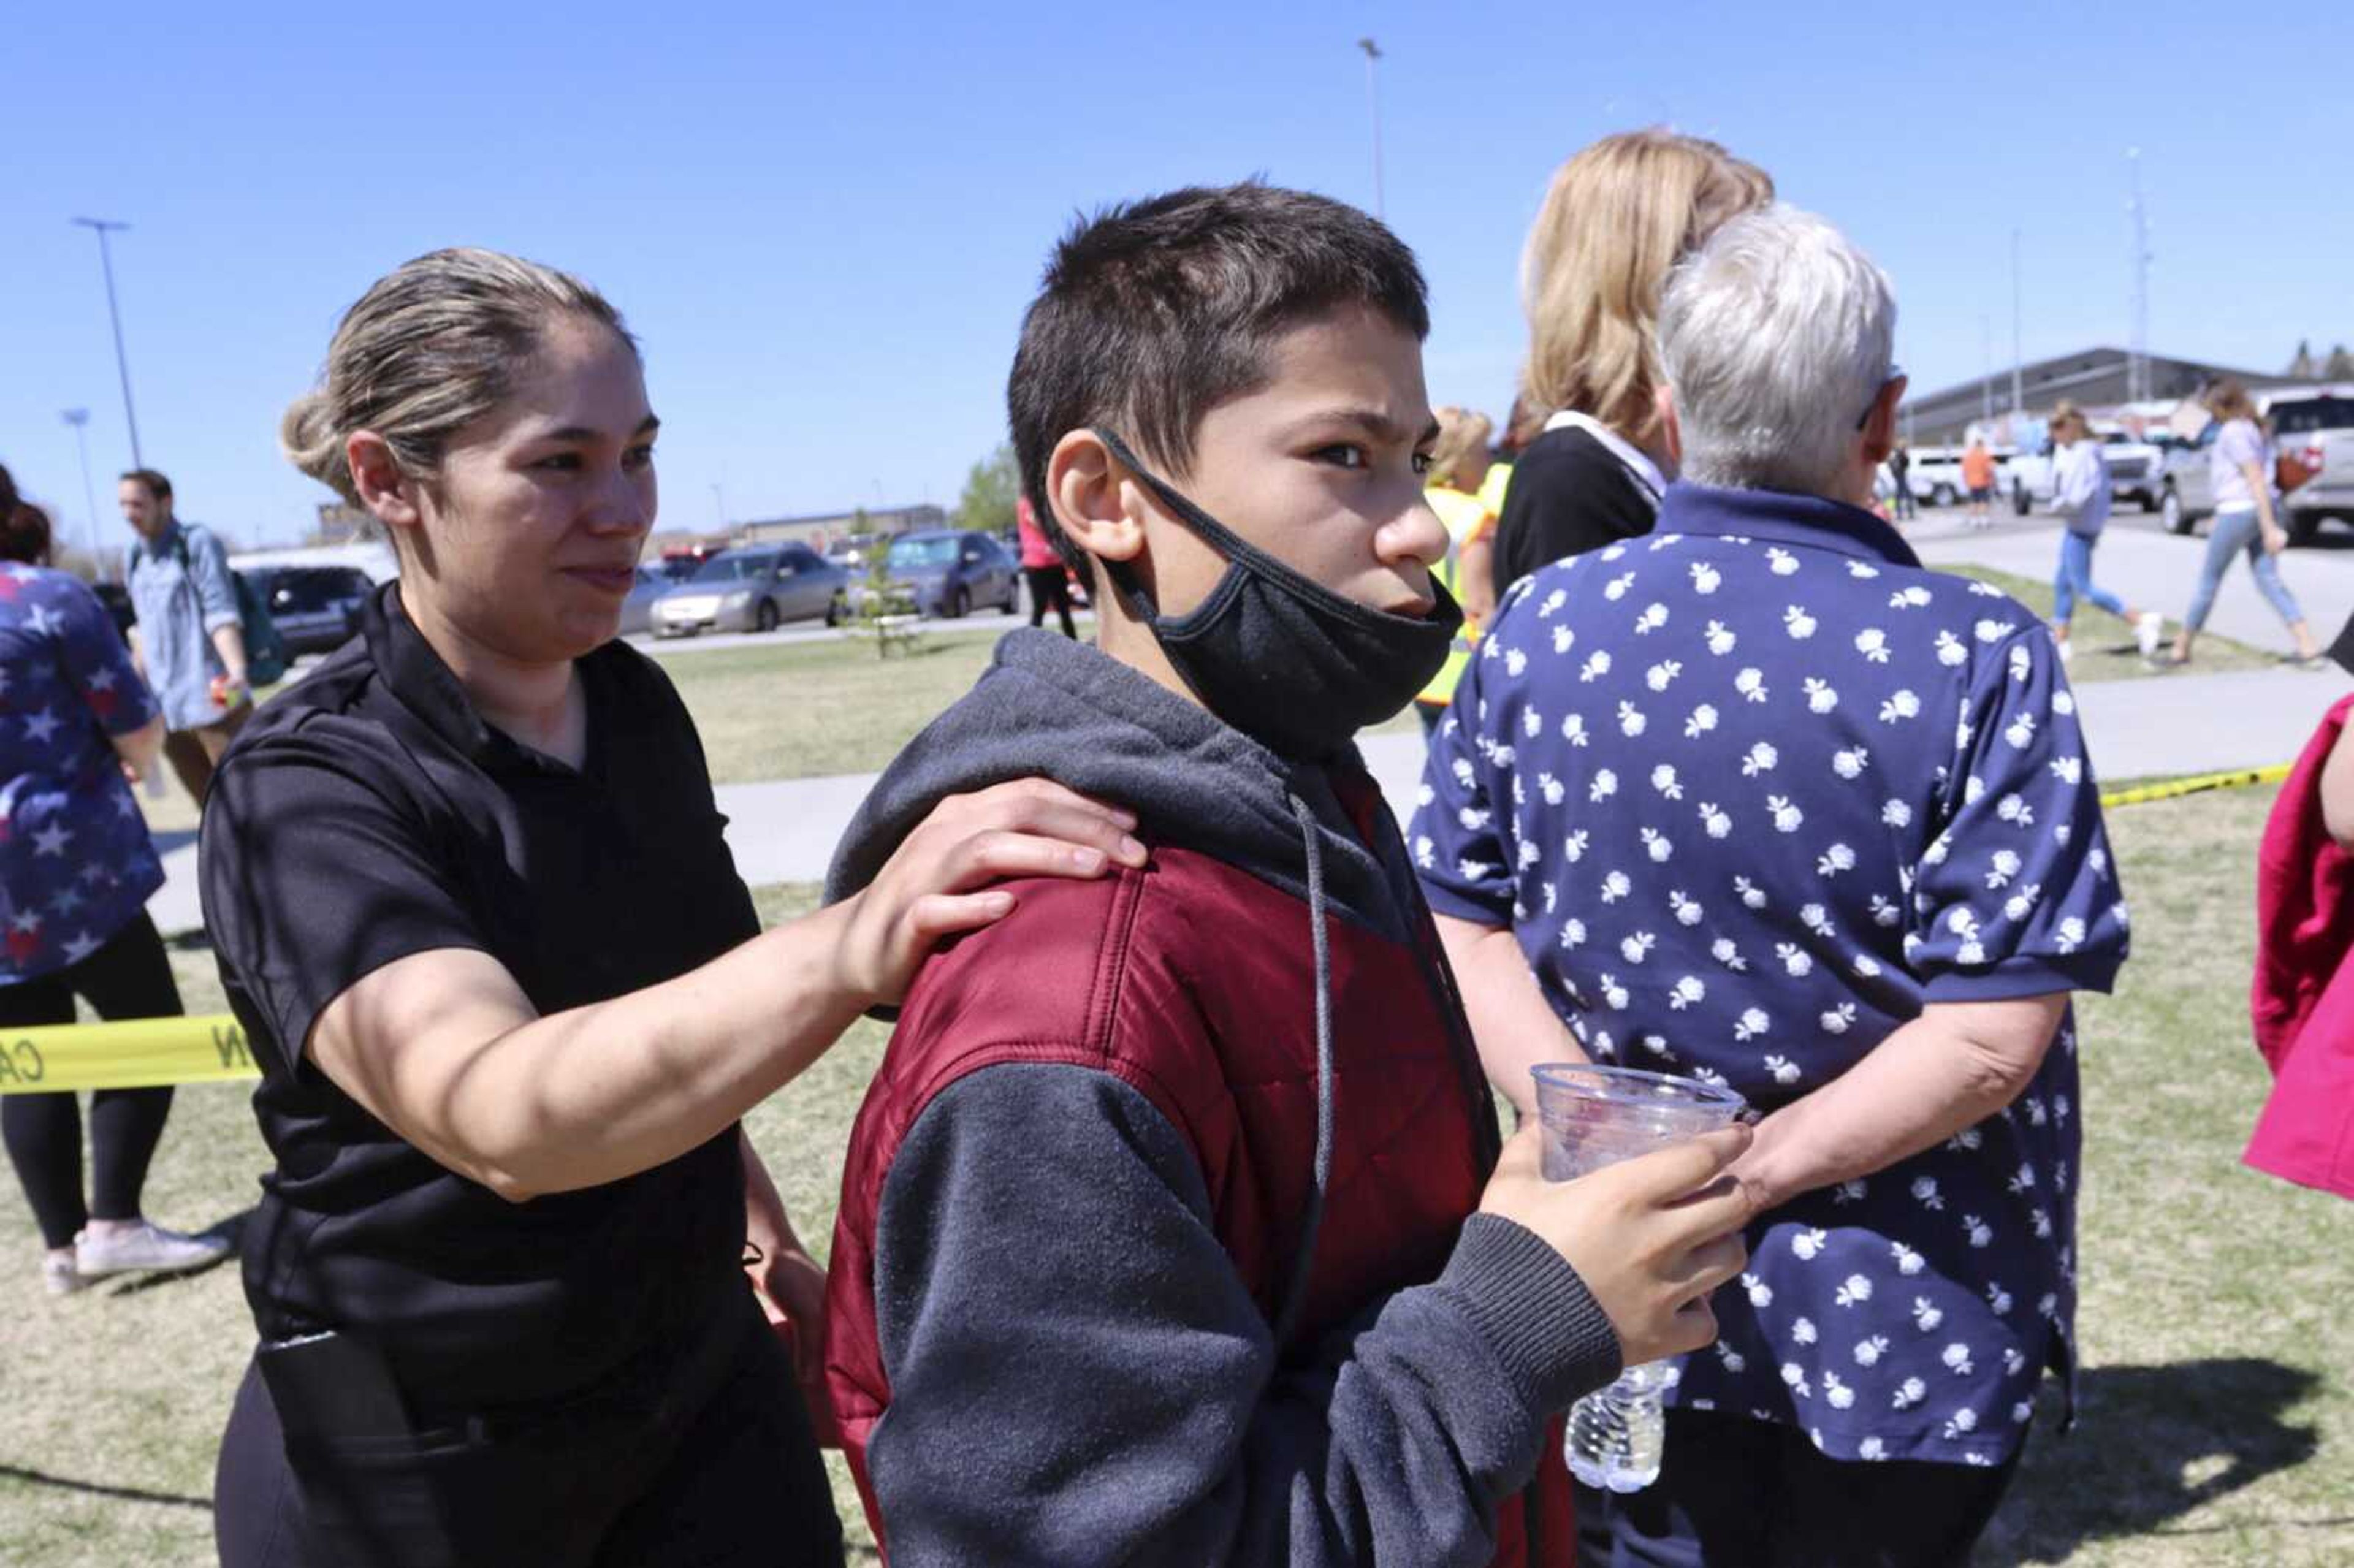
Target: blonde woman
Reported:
point(1618, 215)
point(1460, 465)
point(2246, 523)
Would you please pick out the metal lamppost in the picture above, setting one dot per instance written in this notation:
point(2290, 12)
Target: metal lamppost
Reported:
point(1373, 103)
point(2018, 404)
point(80, 420)
point(102, 227)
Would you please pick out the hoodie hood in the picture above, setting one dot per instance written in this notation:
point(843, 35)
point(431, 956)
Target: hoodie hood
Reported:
point(1049, 707)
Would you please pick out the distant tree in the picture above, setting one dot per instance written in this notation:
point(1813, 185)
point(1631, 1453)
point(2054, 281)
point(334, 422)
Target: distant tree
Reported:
point(2302, 366)
point(2340, 367)
point(988, 494)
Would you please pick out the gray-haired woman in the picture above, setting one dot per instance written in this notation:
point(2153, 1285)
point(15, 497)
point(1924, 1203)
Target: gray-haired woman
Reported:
point(472, 905)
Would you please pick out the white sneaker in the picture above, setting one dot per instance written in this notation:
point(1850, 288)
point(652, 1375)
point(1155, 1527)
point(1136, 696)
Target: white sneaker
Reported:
point(2147, 632)
point(150, 1247)
point(59, 1277)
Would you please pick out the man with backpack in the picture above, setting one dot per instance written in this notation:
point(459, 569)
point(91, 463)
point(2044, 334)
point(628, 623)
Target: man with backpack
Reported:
point(190, 636)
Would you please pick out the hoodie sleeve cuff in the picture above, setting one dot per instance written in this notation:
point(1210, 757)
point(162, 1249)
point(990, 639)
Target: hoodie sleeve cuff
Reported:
point(1527, 1301)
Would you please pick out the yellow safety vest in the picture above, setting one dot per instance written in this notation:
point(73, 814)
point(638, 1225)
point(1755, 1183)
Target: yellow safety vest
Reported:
point(1464, 515)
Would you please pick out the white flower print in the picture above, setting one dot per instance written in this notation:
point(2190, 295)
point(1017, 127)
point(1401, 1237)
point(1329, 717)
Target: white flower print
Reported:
point(1788, 818)
point(1716, 822)
point(1552, 603)
point(1795, 1376)
point(2048, 1305)
point(1951, 652)
point(1735, 1362)
point(1924, 1192)
point(1687, 911)
point(2064, 703)
point(1660, 676)
point(1605, 785)
point(1904, 705)
point(1663, 779)
point(1751, 894)
point(1862, 572)
point(1784, 563)
point(1631, 722)
point(2041, 1222)
point(1637, 947)
point(1724, 951)
point(1816, 920)
point(1851, 1190)
point(1472, 870)
point(2097, 858)
point(1551, 897)
point(2012, 1362)
point(2021, 732)
point(1463, 773)
point(1833, 860)
point(1885, 911)
point(1795, 958)
point(1820, 697)
point(1751, 685)
point(1802, 1330)
point(2023, 1181)
point(1761, 1295)
point(1870, 1448)
point(1616, 588)
point(1797, 622)
point(1572, 729)
point(1999, 1299)
point(1572, 848)
point(1849, 762)
point(1598, 664)
point(2022, 1413)
point(1657, 846)
point(1839, 1020)
point(1702, 720)
point(1613, 553)
point(2067, 770)
point(1572, 932)
point(1721, 639)
point(1705, 578)
point(2021, 662)
point(1615, 996)
point(2003, 869)
point(1531, 724)
point(1515, 662)
point(1550, 789)
point(1808, 1245)
point(1957, 1359)
point(1616, 886)
point(1752, 1023)
point(1926, 1315)
point(1872, 643)
point(1473, 817)
point(1991, 630)
point(1761, 759)
point(1869, 1352)
point(1913, 1392)
point(1425, 854)
point(1687, 991)
point(1709, 1075)
point(1964, 1420)
point(1563, 639)
point(1985, 591)
point(1866, 965)
point(1841, 1397)
point(1784, 1070)
point(1528, 855)
point(1913, 598)
point(1965, 1141)
point(2021, 904)
point(1654, 616)
point(1896, 814)
point(2014, 810)
point(1981, 1234)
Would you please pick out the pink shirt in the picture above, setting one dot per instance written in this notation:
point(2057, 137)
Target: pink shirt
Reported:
point(1036, 550)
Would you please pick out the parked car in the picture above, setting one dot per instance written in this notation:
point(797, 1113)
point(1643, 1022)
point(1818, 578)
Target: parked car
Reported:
point(2135, 467)
point(1935, 475)
point(316, 608)
point(754, 589)
point(850, 552)
point(950, 571)
point(2314, 425)
point(637, 609)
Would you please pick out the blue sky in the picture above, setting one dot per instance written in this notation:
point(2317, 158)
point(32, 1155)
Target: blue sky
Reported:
point(824, 223)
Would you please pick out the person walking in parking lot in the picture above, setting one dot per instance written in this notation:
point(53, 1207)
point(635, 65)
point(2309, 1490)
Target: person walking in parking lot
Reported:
point(2239, 465)
point(2082, 498)
point(190, 640)
point(1978, 478)
point(1049, 585)
point(1900, 469)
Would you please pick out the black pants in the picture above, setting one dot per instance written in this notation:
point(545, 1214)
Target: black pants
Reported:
point(1738, 1493)
point(128, 978)
point(708, 1462)
point(1904, 504)
point(1048, 586)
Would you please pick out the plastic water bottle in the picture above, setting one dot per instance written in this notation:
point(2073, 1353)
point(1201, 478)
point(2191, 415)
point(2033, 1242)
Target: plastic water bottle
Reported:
point(1617, 1434)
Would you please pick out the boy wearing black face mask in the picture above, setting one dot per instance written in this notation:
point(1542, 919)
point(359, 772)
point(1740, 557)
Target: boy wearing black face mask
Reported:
point(1158, 1239)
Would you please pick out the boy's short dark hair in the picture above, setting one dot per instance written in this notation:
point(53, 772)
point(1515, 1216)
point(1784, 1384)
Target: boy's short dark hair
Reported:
point(155, 483)
point(1154, 312)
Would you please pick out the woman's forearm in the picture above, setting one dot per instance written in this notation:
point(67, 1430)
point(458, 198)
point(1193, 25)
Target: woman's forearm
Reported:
point(1513, 1024)
point(1950, 1068)
point(2260, 486)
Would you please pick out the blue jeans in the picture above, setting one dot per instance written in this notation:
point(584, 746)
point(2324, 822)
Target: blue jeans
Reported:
point(2236, 529)
point(2075, 580)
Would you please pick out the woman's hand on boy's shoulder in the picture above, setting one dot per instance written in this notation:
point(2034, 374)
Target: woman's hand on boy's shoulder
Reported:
point(937, 883)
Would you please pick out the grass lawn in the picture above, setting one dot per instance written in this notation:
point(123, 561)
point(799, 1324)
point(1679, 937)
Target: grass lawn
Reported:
point(2216, 1426)
point(2104, 647)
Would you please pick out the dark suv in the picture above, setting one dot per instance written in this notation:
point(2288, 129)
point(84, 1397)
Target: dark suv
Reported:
point(317, 608)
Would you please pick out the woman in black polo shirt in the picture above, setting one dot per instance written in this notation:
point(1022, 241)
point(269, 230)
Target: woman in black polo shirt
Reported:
point(471, 902)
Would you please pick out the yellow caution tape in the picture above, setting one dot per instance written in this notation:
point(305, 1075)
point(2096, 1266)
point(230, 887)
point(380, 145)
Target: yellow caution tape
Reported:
point(2174, 788)
point(135, 1054)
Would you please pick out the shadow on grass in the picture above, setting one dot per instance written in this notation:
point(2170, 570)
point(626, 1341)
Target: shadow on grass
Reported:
point(2151, 1445)
point(101, 1489)
point(230, 1230)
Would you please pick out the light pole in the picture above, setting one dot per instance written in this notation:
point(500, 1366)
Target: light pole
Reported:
point(2137, 365)
point(2017, 406)
point(1373, 103)
point(101, 226)
point(719, 504)
point(80, 420)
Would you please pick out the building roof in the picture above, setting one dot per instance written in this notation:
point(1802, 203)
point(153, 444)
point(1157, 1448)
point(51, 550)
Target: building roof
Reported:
point(2093, 376)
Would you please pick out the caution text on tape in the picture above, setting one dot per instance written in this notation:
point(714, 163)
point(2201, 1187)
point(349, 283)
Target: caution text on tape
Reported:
point(2174, 788)
point(135, 1054)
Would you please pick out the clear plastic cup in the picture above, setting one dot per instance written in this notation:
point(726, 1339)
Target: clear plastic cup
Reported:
point(1591, 1117)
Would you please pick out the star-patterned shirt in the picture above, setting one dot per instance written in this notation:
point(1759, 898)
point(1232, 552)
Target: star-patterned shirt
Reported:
point(1751, 793)
point(75, 862)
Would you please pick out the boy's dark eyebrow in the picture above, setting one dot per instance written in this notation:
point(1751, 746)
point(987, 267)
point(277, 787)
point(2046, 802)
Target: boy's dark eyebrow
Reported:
point(1380, 427)
point(646, 426)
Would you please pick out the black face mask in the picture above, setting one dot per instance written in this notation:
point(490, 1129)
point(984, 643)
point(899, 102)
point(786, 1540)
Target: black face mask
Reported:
point(1283, 659)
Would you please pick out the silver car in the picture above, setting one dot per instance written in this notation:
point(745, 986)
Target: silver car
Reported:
point(754, 589)
point(637, 609)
